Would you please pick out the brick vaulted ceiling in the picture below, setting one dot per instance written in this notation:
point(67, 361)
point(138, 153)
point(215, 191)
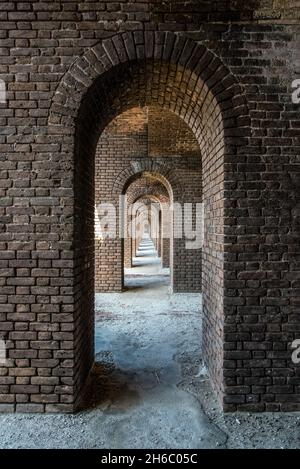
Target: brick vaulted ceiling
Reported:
point(153, 83)
point(163, 133)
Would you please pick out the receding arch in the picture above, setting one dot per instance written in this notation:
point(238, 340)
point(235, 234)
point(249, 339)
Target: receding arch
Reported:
point(163, 177)
point(154, 187)
point(127, 47)
point(178, 74)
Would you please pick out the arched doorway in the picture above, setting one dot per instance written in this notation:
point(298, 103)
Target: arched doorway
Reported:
point(148, 193)
point(187, 79)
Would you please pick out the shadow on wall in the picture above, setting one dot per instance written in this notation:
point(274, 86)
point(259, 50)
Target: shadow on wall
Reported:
point(225, 10)
point(257, 9)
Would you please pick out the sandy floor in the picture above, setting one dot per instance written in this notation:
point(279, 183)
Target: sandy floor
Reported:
point(149, 388)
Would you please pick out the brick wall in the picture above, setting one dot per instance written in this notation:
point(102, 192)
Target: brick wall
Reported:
point(66, 80)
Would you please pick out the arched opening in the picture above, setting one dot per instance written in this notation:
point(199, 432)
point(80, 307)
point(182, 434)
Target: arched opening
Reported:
point(152, 150)
point(177, 75)
point(147, 225)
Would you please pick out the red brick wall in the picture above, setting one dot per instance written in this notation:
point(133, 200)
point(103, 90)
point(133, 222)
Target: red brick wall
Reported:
point(65, 83)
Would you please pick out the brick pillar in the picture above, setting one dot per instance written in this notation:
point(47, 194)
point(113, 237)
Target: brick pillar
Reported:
point(165, 252)
point(127, 253)
point(128, 241)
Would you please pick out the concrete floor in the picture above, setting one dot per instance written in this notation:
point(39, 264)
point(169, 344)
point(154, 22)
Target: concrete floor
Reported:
point(149, 388)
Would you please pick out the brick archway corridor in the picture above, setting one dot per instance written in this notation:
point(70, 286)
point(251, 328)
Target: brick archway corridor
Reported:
point(147, 188)
point(178, 75)
point(187, 79)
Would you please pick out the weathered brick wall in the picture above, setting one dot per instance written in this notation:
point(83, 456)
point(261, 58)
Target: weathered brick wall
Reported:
point(147, 134)
point(175, 14)
point(251, 269)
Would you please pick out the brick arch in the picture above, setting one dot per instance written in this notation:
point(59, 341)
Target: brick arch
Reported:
point(142, 187)
point(142, 206)
point(162, 173)
point(159, 198)
point(171, 255)
point(149, 188)
point(165, 246)
point(217, 100)
point(127, 47)
point(180, 75)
